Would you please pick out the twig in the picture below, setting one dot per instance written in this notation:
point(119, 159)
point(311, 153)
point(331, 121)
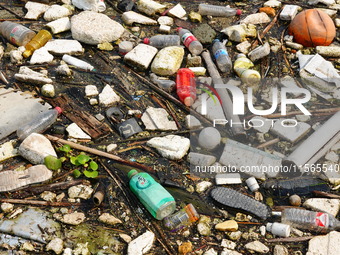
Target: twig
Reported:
point(290, 239)
point(10, 11)
point(325, 194)
point(271, 142)
point(54, 186)
point(36, 202)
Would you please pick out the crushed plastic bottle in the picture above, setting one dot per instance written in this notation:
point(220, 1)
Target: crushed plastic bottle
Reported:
point(190, 41)
point(242, 67)
point(161, 41)
point(183, 218)
point(219, 11)
point(39, 40)
point(186, 86)
point(39, 124)
point(221, 55)
point(16, 33)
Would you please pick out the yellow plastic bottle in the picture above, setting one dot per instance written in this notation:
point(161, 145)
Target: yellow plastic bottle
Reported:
point(37, 42)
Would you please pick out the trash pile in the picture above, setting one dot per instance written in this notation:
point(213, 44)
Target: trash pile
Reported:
point(157, 127)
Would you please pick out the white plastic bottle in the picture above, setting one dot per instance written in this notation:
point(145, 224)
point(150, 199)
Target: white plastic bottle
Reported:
point(222, 57)
point(161, 41)
point(190, 41)
point(77, 62)
point(39, 124)
point(216, 10)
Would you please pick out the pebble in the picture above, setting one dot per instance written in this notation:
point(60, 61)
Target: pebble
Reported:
point(55, 245)
point(132, 17)
point(157, 119)
point(259, 52)
point(64, 70)
point(192, 122)
point(141, 244)
point(239, 33)
point(167, 61)
point(48, 196)
point(80, 191)
point(64, 46)
point(141, 56)
point(327, 244)
point(109, 219)
point(35, 10)
point(165, 20)
point(55, 12)
point(273, 3)
point(48, 90)
point(256, 18)
point(67, 251)
point(125, 237)
point(337, 22)
point(164, 29)
point(295, 200)
point(177, 11)
point(195, 17)
point(289, 12)
point(211, 251)
point(108, 97)
point(229, 252)
point(203, 186)
point(28, 75)
point(263, 230)
point(330, 206)
point(93, 101)
point(72, 218)
point(235, 236)
point(228, 244)
point(7, 207)
point(198, 159)
point(59, 25)
point(209, 138)
point(243, 47)
point(16, 56)
point(91, 91)
point(111, 147)
point(81, 249)
point(257, 246)
point(280, 250)
point(194, 61)
point(204, 229)
point(74, 131)
point(295, 46)
point(229, 225)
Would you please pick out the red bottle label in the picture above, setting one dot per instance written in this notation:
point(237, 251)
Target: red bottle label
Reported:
point(322, 220)
point(188, 38)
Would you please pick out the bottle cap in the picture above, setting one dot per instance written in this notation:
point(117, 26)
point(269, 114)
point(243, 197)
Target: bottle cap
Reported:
point(238, 12)
point(58, 109)
point(188, 101)
point(179, 28)
point(132, 173)
point(252, 184)
point(278, 229)
point(146, 40)
point(27, 53)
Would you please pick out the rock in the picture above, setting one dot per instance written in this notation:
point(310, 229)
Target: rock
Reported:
point(141, 56)
point(204, 33)
point(64, 70)
point(165, 20)
point(35, 148)
point(27, 75)
point(81, 249)
point(99, 28)
point(204, 229)
point(261, 124)
point(93, 101)
point(55, 245)
point(16, 56)
point(273, 3)
point(257, 246)
point(177, 11)
point(141, 244)
point(229, 252)
point(256, 18)
point(55, 12)
point(229, 225)
point(27, 246)
point(328, 244)
point(302, 118)
point(192, 122)
point(239, 33)
point(35, 10)
point(108, 97)
point(150, 7)
point(7, 207)
point(263, 230)
point(195, 17)
point(260, 52)
point(132, 17)
point(295, 46)
point(330, 206)
point(74, 131)
point(48, 196)
point(72, 218)
point(41, 56)
point(280, 250)
point(203, 186)
point(63, 46)
point(105, 46)
point(337, 22)
point(326, 2)
point(243, 47)
point(67, 251)
point(288, 132)
point(91, 91)
point(209, 138)
point(111, 147)
point(59, 25)
point(80, 191)
point(198, 71)
point(229, 178)
point(125, 237)
point(48, 90)
point(164, 29)
point(211, 251)
point(295, 200)
point(198, 159)
point(167, 61)
point(157, 119)
point(332, 156)
point(109, 219)
point(228, 244)
point(289, 12)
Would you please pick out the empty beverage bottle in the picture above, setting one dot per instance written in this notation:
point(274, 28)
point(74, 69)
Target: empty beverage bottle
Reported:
point(186, 86)
point(16, 33)
point(183, 218)
point(156, 199)
point(190, 41)
point(77, 62)
point(242, 67)
point(304, 219)
point(221, 55)
point(39, 124)
point(39, 40)
point(216, 10)
point(161, 41)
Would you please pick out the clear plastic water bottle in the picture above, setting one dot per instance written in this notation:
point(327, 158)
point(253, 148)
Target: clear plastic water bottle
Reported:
point(304, 219)
point(190, 41)
point(221, 55)
point(186, 86)
point(16, 33)
point(183, 218)
point(216, 10)
point(39, 124)
point(161, 41)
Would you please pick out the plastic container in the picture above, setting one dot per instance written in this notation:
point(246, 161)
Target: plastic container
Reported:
point(316, 221)
point(39, 40)
point(252, 184)
point(183, 218)
point(39, 124)
point(77, 62)
point(278, 229)
point(221, 55)
point(186, 86)
point(124, 47)
point(161, 41)
point(16, 33)
point(241, 67)
point(216, 10)
point(157, 200)
point(190, 41)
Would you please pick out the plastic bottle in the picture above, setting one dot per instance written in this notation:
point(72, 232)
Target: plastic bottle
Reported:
point(39, 40)
point(278, 229)
point(221, 55)
point(77, 62)
point(16, 33)
point(241, 67)
point(161, 41)
point(182, 218)
point(190, 41)
point(157, 200)
point(216, 10)
point(186, 86)
point(39, 124)
point(124, 47)
point(167, 85)
point(304, 219)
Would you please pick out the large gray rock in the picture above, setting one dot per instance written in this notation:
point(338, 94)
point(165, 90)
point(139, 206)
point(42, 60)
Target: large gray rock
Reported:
point(63, 46)
point(99, 28)
point(330, 206)
point(328, 244)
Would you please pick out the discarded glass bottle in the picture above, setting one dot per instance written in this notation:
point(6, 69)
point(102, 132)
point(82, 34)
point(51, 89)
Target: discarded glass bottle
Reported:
point(39, 40)
point(157, 200)
point(183, 218)
point(16, 33)
point(315, 221)
point(186, 86)
point(221, 55)
point(39, 124)
point(161, 41)
point(216, 10)
point(190, 41)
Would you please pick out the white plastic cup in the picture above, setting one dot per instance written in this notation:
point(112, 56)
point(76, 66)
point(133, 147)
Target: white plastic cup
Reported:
point(278, 229)
point(252, 184)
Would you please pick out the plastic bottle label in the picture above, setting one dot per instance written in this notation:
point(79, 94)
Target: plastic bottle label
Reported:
point(16, 33)
point(188, 38)
point(322, 220)
point(142, 183)
point(220, 52)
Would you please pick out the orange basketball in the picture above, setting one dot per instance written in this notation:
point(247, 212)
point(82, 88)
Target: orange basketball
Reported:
point(312, 28)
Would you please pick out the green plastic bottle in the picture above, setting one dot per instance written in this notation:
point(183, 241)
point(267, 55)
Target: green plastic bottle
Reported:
point(153, 196)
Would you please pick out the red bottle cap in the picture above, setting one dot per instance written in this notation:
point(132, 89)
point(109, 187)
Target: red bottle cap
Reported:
point(179, 28)
point(146, 40)
point(238, 12)
point(59, 110)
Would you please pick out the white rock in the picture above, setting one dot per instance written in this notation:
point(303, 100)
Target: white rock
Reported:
point(93, 101)
point(55, 12)
point(178, 12)
point(48, 90)
point(167, 61)
point(111, 147)
point(91, 91)
point(211, 251)
point(125, 237)
point(27, 75)
point(209, 138)
point(228, 244)
point(165, 20)
point(80, 191)
point(260, 52)
point(48, 196)
point(55, 245)
point(71, 218)
point(331, 13)
point(7, 207)
point(27, 246)
point(170, 146)
point(141, 244)
point(16, 57)
point(141, 56)
point(273, 4)
point(150, 7)
point(203, 186)
point(109, 219)
point(82, 249)
point(67, 251)
point(243, 47)
point(192, 122)
point(337, 22)
point(263, 230)
point(35, 10)
point(204, 229)
point(261, 124)
point(64, 70)
point(7, 150)
point(41, 56)
point(74, 131)
point(157, 119)
point(326, 2)
point(132, 17)
point(256, 18)
point(289, 12)
point(239, 33)
point(291, 134)
point(330, 206)
point(164, 29)
point(295, 46)
point(332, 156)
point(99, 28)
point(257, 246)
point(229, 178)
point(108, 97)
point(328, 51)
point(88, 5)
point(280, 250)
point(229, 252)
point(59, 25)
point(328, 244)
point(198, 159)
point(63, 46)
point(35, 148)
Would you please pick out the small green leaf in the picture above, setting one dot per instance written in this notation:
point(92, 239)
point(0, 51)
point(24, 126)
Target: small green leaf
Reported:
point(82, 159)
point(76, 173)
point(52, 162)
point(74, 161)
point(65, 148)
point(90, 174)
point(63, 159)
point(93, 165)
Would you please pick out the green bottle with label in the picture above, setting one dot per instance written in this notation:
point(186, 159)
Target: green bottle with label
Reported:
point(152, 195)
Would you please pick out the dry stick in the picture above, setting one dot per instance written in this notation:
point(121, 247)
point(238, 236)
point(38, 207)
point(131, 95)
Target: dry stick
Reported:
point(55, 186)
point(291, 239)
point(37, 202)
point(10, 11)
point(271, 142)
point(100, 153)
point(325, 194)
